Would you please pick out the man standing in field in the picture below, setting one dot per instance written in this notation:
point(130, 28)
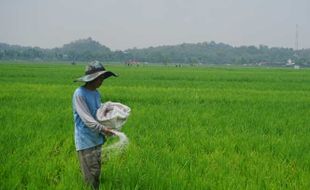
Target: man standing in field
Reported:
point(89, 132)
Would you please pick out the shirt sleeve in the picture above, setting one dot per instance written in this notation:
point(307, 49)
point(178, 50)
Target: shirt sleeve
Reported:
point(85, 115)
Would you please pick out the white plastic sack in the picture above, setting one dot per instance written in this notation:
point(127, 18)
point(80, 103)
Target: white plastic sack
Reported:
point(113, 115)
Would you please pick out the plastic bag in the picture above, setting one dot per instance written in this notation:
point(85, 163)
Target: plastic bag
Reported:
point(113, 115)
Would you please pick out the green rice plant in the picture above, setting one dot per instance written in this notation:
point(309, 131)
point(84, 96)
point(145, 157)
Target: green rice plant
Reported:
point(190, 127)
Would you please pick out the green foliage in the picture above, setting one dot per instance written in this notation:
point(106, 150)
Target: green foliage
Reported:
point(200, 53)
point(190, 128)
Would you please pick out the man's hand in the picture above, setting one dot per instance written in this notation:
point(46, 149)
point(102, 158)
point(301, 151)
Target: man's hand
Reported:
point(108, 131)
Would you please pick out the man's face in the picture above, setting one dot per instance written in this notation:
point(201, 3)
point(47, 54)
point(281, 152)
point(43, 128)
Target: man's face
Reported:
point(98, 81)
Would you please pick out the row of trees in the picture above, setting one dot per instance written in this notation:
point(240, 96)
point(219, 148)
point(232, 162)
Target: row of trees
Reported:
point(199, 53)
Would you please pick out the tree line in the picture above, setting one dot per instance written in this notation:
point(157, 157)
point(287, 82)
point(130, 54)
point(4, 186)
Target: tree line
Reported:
point(186, 53)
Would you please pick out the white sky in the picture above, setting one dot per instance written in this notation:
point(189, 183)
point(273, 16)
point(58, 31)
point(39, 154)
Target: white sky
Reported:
point(122, 24)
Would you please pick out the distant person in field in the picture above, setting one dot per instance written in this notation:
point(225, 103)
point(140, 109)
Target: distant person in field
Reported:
point(89, 133)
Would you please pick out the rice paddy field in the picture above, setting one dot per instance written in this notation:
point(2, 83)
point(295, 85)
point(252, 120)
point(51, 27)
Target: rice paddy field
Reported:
point(190, 127)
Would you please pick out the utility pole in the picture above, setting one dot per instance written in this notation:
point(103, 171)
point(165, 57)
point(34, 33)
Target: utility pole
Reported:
point(296, 38)
point(296, 43)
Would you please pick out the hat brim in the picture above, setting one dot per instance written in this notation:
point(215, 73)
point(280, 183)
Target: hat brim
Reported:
point(93, 76)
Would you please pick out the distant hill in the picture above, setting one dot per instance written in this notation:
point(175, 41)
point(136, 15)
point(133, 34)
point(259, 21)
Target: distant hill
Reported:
point(84, 50)
point(186, 53)
point(85, 45)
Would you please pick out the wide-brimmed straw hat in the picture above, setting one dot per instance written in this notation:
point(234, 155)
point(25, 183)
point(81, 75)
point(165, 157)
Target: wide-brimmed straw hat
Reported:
point(93, 70)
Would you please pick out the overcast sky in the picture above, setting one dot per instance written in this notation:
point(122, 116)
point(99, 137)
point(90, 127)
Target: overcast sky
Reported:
point(122, 24)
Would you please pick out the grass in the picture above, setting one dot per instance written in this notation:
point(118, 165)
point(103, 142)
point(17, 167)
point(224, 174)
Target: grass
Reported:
point(190, 128)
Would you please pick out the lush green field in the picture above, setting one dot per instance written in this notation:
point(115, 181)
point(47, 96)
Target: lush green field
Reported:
point(190, 128)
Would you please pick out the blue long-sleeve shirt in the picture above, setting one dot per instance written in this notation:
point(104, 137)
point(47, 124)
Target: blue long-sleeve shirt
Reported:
point(88, 131)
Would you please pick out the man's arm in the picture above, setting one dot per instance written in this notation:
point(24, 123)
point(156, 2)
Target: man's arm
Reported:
point(84, 113)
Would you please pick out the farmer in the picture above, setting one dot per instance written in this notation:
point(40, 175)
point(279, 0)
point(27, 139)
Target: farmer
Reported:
point(89, 134)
